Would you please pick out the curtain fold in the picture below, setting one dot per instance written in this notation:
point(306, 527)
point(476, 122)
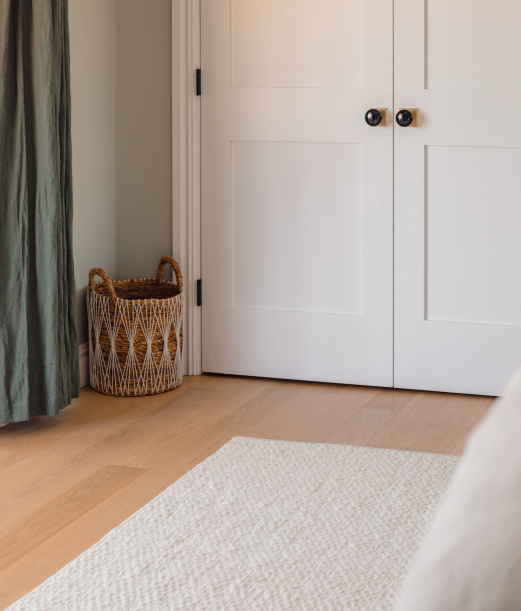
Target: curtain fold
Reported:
point(39, 371)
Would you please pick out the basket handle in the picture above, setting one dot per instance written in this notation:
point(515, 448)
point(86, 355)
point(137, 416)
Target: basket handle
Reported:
point(177, 270)
point(97, 271)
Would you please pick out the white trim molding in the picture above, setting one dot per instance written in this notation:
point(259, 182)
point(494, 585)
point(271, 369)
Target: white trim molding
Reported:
point(186, 137)
point(84, 364)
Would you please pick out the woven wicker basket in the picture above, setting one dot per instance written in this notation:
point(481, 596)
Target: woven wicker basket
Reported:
point(136, 333)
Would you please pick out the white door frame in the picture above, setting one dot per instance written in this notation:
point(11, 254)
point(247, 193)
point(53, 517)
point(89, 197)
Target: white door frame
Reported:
point(186, 170)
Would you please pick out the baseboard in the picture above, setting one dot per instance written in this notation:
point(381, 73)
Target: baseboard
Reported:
point(84, 364)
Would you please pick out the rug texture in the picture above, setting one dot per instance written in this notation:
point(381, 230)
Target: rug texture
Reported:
point(263, 525)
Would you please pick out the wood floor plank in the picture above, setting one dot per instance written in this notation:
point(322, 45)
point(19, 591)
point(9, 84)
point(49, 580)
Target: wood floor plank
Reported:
point(216, 382)
point(21, 439)
point(272, 399)
point(62, 511)
point(330, 416)
point(450, 425)
point(40, 479)
point(459, 448)
point(32, 472)
point(391, 399)
point(371, 419)
point(223, 406)
point(410, 422)
point(293, 413)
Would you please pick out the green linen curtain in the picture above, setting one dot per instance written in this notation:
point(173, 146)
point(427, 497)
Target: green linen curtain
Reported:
point(39, 371)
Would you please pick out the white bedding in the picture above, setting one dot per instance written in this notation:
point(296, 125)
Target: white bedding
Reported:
point(471, 558)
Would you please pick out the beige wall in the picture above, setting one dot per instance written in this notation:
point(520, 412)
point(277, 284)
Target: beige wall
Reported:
point(121, 138)
point(143, 136)
point(93, 68)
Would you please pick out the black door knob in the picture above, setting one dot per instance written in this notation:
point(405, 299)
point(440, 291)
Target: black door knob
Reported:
point(404, 118)
point(373, 117)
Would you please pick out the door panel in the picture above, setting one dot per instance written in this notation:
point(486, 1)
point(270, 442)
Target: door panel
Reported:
point(472, 243)
point(286, 196)
point(297, 189)
point(472, 44)
point(297, 43)
point(457, 196)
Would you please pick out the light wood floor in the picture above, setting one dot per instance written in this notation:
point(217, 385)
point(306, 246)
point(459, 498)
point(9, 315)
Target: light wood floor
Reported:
point(65, 482)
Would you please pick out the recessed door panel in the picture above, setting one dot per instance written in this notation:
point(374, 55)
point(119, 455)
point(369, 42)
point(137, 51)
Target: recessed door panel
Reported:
point(287, 196)
point(472, 229)
point(472, 44)
point(297, 43)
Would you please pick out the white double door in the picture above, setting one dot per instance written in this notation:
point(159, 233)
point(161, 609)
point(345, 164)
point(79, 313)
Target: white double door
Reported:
point(339, 252)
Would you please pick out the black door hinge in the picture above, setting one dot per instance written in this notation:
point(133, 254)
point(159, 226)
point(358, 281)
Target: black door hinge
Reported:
point(198, 81)
point(199, 292)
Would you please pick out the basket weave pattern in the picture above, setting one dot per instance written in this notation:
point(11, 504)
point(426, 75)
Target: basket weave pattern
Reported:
point(135, 333)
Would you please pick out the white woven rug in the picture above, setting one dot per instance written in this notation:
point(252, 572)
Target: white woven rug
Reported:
point(263, 525)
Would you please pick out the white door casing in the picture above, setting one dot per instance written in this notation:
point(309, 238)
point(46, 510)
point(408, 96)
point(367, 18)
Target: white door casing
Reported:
point(458, 195)
point(297, 190)
point(186, 165)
